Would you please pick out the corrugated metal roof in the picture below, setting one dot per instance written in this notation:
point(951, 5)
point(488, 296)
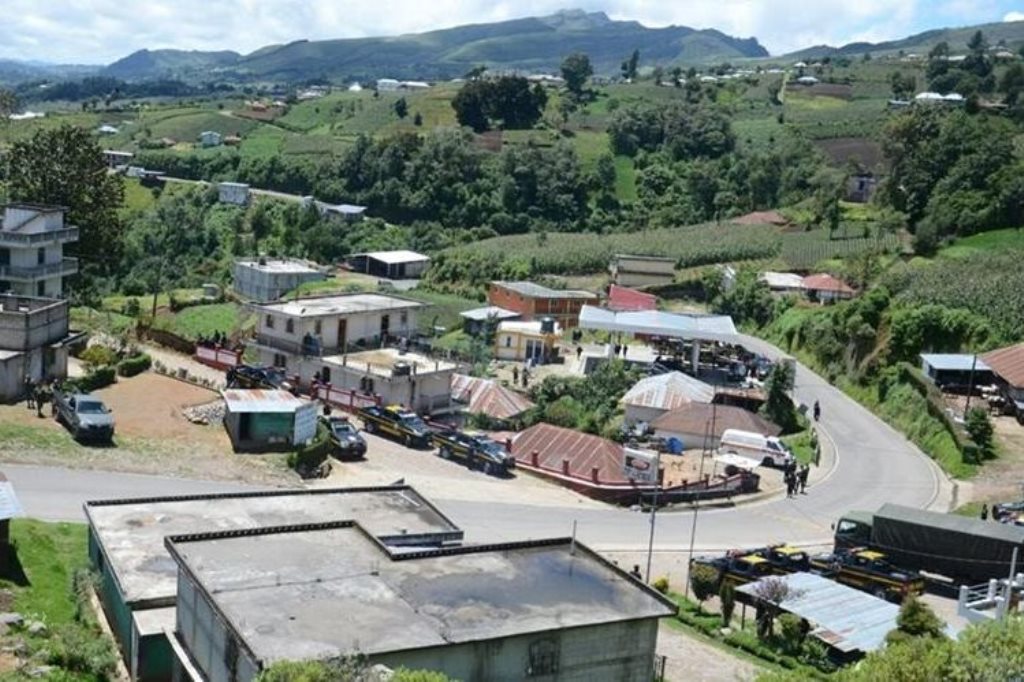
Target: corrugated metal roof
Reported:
point(624, 299)
point(260, 400)
point(696, 417)
point(782, 280)
point(584, 452)
point(486, 396)
point(490, 311)
point(1008, 363)
point(842, 617)
point(10, 506)
point(395, 257)
point(534, 290)
point(656, 323)
point(668, 392)
point(826, 282)
point(957, 362)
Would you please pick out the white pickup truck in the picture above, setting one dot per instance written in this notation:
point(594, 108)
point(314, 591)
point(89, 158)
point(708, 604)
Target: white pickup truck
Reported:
point(768, 450)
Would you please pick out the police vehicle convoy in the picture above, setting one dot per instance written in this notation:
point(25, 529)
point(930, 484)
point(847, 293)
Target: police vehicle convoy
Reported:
point(475, 450)
point(344, 438)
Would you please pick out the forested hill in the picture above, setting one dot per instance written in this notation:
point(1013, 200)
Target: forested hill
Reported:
point(535, 43)
point(1009, 33)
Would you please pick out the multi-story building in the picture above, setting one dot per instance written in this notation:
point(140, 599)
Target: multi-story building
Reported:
point(296, 335)
point(32, 239)
point(533, 301)
point(640, 271)
point(34, 336)
point(268, 279)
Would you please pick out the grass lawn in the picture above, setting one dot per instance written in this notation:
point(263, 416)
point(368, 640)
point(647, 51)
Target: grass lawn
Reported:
point(625, 178)
point(49, 554)
point(996, 240)
point(800, 444)
point(88, 319)
point(202, 320)
point(137, 198)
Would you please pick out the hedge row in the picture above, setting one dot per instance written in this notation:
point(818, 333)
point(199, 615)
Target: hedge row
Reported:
point(137, 364)
point(96, 379)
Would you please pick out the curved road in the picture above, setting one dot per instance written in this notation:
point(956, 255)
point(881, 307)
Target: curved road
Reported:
point(874, 464)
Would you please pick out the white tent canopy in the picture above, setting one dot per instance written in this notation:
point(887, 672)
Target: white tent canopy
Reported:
point(656, 323)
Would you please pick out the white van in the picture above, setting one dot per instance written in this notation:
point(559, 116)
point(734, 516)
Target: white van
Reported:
point(768, 450)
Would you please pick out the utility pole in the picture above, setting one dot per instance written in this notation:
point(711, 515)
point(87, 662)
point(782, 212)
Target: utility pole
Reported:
point(709, 437)
point(970, 385)
point(654, 515)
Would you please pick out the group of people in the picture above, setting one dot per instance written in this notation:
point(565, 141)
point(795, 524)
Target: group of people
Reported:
point(38, 394)
point(214, 340)
point(525, 375)
point(796, 478)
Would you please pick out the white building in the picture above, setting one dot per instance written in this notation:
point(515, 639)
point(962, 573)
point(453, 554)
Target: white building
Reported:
point(115, 158)
point(530, 340)
point(653, 396)
point(295, 335)
point(210, 138)
point(415, 381)
point(32, 239)
point(268, 279)
point(236, 193)
point(388, 85)
point(783, 282)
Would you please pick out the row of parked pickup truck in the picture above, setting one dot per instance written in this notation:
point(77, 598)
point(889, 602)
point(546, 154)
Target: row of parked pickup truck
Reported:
point(475, 450)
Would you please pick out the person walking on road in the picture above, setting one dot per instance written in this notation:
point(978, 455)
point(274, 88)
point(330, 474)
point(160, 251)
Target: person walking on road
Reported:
point(805, 470)
point(789, 478)
point(817, 410)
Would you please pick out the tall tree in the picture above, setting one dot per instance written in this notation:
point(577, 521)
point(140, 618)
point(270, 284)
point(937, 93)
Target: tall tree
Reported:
point(629, 66)
point(576, 69)
point(65, 166)
point(401, 107)
point(8, 105)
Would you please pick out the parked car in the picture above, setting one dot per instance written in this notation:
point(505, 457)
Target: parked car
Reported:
point(1008, 511)
point(85, 416)
point(870, 571)
point(346, 442)
point(476, 450)
point(397, 422)
point(248, 376)
point(768, 450)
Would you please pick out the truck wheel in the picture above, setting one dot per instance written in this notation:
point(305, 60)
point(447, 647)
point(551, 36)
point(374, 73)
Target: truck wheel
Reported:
point(408, 441)
point(369, 427)
point(488, 469)
point(442, 452)
point(880, 593)
point(767, 462)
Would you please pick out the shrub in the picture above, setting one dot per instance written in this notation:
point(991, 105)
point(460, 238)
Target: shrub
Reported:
point(309, 457)
point(131, 307)
point(703, 580)
point(96, 379)
point(99, 356)
point(793, 630)
point(136, 364)
point(661, 584)
point(727, 595)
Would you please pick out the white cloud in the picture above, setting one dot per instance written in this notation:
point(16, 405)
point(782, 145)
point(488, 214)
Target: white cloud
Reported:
point(94, 31)
point(1014, 16)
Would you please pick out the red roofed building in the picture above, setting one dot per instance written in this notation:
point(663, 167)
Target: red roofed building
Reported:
point(486, 396)
point(1008, 366)
point(623, 299)
point(825, 288)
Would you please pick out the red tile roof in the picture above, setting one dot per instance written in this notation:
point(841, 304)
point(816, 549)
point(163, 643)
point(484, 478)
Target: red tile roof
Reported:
point(1008, 363)
point(826, 282)
point(696, 417)
point(486, 396)
point(625, 299)
point(584, 452)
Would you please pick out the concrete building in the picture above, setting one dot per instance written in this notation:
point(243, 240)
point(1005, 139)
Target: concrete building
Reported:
point(479, 320)
point(419, 383)
point(521, 341)
point(261, 421)
point(640, 271)
point(388, 85)
point(547, 609)
point(34, 339)
point(533, 301)
point(391, 264)
point(236, 193)
point(115, 158)
point(138, 580)
point(295, 335)
point(32, 240)
point(210, 138)
point(268, 279)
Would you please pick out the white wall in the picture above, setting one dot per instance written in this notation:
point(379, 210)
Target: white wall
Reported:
point(636, 413)
point(365, 326)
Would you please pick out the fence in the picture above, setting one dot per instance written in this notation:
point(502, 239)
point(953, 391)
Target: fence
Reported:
point(344, 398)
point(217, 357)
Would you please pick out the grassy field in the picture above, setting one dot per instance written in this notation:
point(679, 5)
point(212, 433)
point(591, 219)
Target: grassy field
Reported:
point(49, 554)
point(986, 242)
point(202, 320)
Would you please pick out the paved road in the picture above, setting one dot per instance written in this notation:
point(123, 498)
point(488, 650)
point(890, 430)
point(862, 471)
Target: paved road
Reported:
point(875, 464)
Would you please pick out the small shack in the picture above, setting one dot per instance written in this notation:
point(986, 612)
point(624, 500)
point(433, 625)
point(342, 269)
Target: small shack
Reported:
point(264, 420)
point(488, 397)
point(477, 320)
point(391, 264)
point(956, 370)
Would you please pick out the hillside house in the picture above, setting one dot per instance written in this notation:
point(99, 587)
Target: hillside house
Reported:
point(489, 397)
point(533, 301)
point(622, 299)
point(653, 396)
point(343, 213)
point(210, 138)
point(701, 425)
point(236, 193)
point(533, 340)
point(296, 335)
point(391, 264)
point(1007, 364)
point(115, 158)
point(388, 85)
point(956, 370)
point(268, 279)
point(783, 283)
point(415, 381)
point(641, 271)
point(34, 340)
point(480, 320)
point(32, 239)
point(824, 288)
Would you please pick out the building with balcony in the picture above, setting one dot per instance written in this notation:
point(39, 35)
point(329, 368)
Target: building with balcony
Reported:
point(34, 338)
point(415, 381)
point(533, 301)
point(296, 335)
point(32, 261)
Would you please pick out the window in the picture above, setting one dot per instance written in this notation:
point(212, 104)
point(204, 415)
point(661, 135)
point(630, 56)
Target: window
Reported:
point(317, 327)
point(508, 342)
point(40, 288)
point(40, 256)
point(325, 374)
point(269, 321)
point(543, 658)
point(289, 326)
point(280, 361)
point(404, 319)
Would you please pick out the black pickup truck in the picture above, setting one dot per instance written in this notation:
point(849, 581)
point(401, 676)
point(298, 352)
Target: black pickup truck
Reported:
point(268, 378)
point(475, 450)
point(346, 443)
point(396, 422)
point(870, 571)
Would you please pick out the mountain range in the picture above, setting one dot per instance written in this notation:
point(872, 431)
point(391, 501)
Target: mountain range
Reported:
point(535, 44)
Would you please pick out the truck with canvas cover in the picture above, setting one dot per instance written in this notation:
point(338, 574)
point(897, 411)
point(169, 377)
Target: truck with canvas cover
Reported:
point(965, 550)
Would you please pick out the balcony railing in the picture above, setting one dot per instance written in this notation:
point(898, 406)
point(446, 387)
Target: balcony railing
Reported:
point(313, 349)
point(62, 236)
point(14, 273)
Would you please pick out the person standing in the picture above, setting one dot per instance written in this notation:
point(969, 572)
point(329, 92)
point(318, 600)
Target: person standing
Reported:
point(789, 483)
point(805, 470)
point(984, 512)
point(515, 375)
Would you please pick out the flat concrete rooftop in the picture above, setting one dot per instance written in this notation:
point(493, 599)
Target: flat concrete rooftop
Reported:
point(312, 593)
point(132, 532)
point(279, 266)
point(382, 362)
point(345, 304)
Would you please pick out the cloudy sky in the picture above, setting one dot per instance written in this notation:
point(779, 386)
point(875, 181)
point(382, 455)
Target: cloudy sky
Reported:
point(100, 31)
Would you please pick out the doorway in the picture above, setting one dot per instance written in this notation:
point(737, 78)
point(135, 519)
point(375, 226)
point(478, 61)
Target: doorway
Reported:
point(342, 334)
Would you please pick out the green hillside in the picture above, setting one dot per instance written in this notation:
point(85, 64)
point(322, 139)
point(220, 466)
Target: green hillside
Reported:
point(1009, 33)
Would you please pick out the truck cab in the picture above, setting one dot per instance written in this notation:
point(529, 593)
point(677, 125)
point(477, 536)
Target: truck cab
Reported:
point(396, 422)
point(853, 530)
